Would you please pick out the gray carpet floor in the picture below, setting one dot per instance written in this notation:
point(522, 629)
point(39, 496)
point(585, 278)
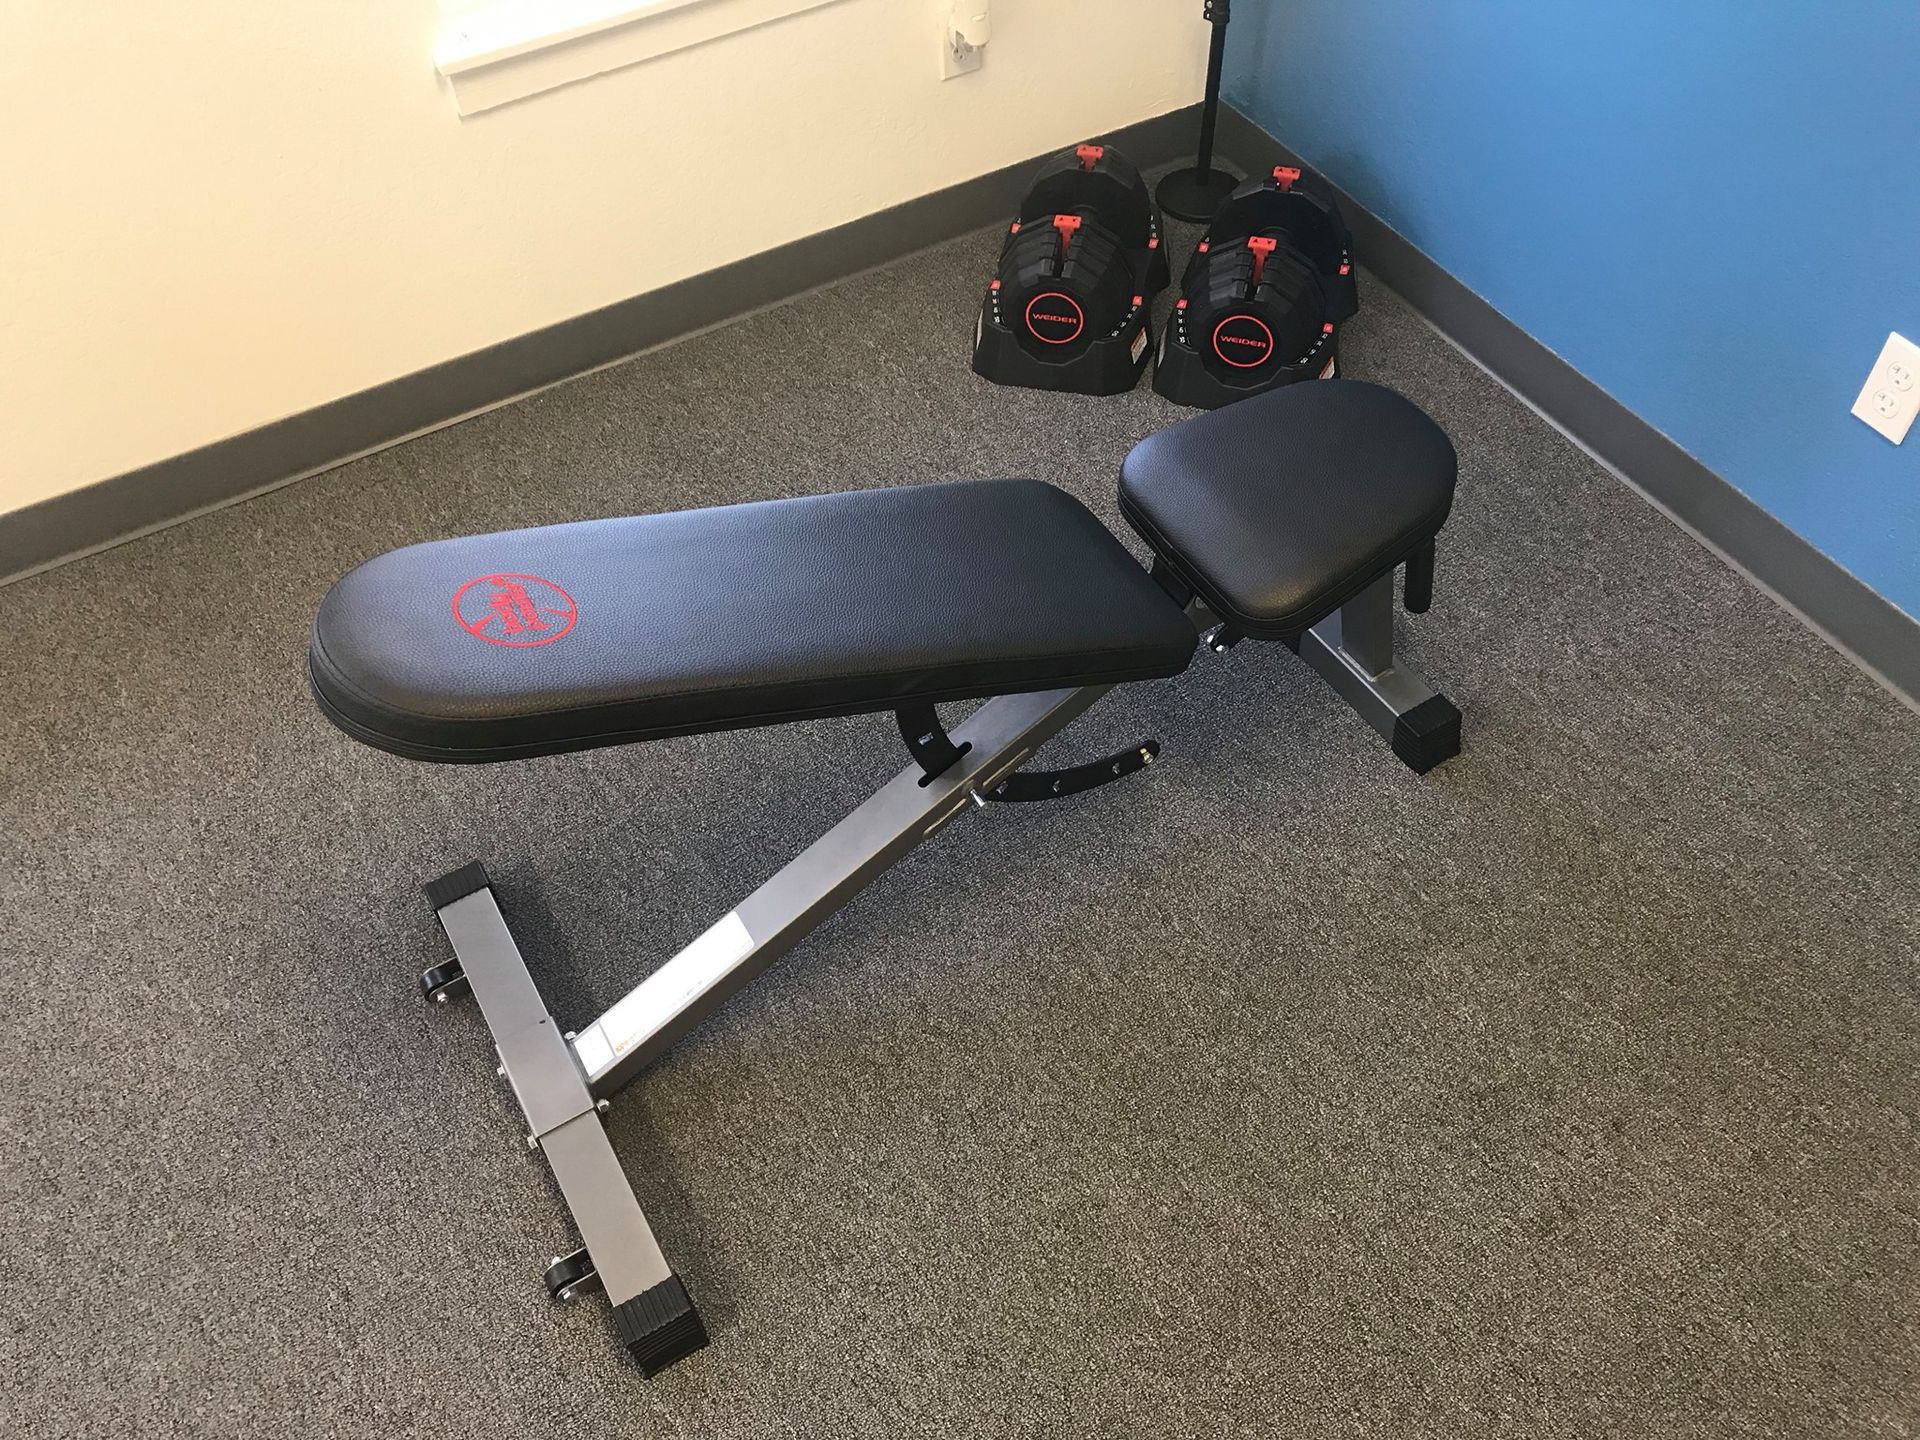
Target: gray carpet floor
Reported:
point(1567, 1091)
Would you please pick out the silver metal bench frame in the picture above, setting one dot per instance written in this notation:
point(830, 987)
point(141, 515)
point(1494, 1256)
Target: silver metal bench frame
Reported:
point(564, 1080)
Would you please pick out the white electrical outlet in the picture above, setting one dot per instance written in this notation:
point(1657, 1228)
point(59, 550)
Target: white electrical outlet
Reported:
point(957, 57)
point(1891, 397)
point(965, 28)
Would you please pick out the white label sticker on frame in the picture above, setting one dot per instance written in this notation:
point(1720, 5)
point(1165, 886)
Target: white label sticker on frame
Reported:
point(667, 991)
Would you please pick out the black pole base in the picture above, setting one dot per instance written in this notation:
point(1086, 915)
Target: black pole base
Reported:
point(1186, 196)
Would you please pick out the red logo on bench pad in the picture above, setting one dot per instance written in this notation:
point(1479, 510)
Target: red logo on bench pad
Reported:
point(517, 610)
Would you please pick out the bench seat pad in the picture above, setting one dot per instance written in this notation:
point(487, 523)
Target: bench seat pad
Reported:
point(529, 642)
point(1280, 508)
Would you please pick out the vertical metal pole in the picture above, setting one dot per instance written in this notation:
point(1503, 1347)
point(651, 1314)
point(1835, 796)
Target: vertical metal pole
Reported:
point(1194, 193)
point(1216, 11)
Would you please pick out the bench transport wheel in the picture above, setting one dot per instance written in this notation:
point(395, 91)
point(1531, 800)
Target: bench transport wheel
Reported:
point(441, 983)
point(571, 1275)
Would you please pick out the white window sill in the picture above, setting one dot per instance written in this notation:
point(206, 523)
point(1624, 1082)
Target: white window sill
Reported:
point(515, 48)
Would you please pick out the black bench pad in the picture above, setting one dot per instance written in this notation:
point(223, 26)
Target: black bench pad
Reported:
point(530, 642)
point(1280, 508)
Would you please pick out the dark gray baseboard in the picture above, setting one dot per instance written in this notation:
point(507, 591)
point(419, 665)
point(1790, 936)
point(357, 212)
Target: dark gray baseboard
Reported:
point(1870, 630)
point(141, 501)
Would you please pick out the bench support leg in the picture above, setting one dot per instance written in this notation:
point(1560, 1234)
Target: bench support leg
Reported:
point(652, 1313)
point(562, 1080)
point(1353, 651)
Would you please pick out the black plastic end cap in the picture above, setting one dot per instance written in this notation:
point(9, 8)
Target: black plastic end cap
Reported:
point(660, 1326)
point(465, 881)
point(1427, 734)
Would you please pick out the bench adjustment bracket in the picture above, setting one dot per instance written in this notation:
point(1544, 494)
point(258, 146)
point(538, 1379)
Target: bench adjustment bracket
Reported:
point(935, 751)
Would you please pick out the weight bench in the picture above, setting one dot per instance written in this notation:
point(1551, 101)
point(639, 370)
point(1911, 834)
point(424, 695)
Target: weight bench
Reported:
point(1283, 517)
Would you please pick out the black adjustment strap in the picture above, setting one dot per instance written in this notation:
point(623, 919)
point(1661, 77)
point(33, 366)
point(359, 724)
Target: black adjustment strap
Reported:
point(1168, 579)
point(1030, 785)
point(660, 1326)
point(934, 749)
point(927, 738)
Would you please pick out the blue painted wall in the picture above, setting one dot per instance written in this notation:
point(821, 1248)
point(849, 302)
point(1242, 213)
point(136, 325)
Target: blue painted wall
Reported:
point(1711, 208)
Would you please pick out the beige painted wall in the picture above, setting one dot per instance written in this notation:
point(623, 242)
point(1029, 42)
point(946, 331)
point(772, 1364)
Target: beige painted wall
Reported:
point(218, 214)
